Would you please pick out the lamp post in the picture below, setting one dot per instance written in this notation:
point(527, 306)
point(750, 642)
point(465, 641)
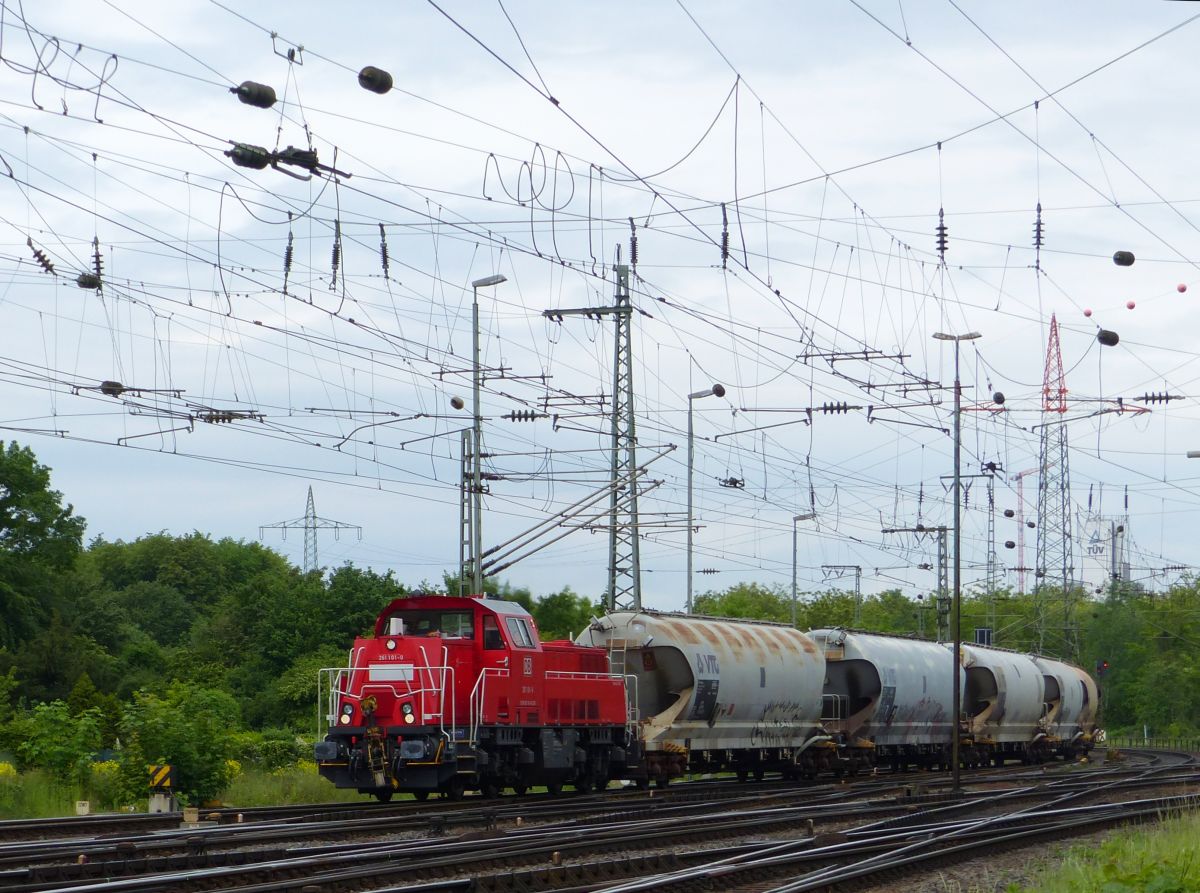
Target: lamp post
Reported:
point(956, 696)
point(477, 438)
point(808, 516)
point(715, 391)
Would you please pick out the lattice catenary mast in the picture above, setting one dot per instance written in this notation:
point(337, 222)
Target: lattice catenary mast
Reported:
point(1055, 536)
point(624, 589)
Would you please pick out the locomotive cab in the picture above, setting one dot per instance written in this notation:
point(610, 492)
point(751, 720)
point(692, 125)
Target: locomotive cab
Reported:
point(451, 694)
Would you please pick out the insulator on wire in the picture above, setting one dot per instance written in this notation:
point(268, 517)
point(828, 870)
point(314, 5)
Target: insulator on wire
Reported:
point(1038, 238)
point(40, 256)
point(633, 253)
point(253, 93)
point(337, 254)
point(835, 408)
point(288, 254)
point(724, 237)
point(375, 79)
point(524, 415)
point(97, 261)
point(246, 155)
point(943, 234)
point(383, 252)
point(1159, 398)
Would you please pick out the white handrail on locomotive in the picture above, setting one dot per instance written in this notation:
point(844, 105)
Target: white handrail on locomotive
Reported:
point(441, 714)
point(478, 695)
point(329, 689)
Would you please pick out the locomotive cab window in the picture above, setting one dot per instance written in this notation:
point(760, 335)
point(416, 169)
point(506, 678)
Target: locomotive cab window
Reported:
point(518, 631)
point(448, 624)
point(491, 634)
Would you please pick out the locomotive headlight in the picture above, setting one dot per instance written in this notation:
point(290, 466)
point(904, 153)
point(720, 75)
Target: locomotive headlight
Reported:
point(407, 710)
point(345, 720)
point(391, 645)
point(347, 709)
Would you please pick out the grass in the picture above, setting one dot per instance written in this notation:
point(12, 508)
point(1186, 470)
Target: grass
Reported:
point(292, 784)
point(34, 795)
point(1163, 858)
point(1159, 858)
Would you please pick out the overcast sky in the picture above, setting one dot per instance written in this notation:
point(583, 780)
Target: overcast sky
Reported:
point(818, 141)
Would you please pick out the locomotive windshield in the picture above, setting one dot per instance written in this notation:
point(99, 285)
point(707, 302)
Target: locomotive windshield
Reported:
point(448, 624)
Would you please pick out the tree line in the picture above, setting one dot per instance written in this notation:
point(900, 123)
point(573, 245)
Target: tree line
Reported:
point(197, 651)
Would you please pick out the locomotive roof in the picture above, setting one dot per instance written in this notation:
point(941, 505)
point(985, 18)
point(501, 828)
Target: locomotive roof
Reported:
point(449, 602)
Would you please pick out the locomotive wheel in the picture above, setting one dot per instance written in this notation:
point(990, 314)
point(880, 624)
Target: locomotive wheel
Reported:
point(490, 789)
point(383, 796)
point(455, 789)
point(421, 795)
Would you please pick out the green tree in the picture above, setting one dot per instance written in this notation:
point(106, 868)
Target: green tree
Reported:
point(39, 537)
point(190, 728)
point(563, 614)
point(752, 601)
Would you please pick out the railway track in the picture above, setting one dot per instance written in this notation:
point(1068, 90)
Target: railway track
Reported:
point(751, 834)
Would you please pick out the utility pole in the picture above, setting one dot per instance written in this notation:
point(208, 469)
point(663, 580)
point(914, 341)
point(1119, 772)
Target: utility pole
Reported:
point(310, 524)
point(624, 590)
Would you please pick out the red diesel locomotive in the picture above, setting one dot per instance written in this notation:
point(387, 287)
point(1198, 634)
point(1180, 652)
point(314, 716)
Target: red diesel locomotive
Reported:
point(453, 694)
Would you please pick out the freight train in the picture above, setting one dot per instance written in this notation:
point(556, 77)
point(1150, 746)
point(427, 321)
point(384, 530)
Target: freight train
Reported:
point(452, 694)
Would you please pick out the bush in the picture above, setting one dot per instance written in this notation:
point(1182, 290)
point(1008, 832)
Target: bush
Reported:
point(269, 749)
point(59, 742)
point(192, 729)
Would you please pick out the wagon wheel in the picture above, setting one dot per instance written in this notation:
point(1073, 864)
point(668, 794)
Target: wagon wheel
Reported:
point(383, 796)
point(520, 789)
point(455, 789)
point(421, 795)
point(554, 788)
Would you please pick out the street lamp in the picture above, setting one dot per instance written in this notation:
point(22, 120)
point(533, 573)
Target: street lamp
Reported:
point(477, 438)
point(955, 606)
point(807, 516)
point(715, 391)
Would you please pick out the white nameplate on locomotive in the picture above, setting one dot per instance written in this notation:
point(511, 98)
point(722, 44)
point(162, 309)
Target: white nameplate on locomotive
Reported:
point(390, 672)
